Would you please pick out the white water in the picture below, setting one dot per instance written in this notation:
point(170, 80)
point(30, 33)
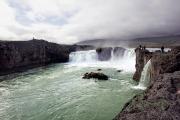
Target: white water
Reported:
point(145, 76)
point(90, 59)
point(83, 56)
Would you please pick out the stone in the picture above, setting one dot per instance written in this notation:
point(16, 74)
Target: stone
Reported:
point(119, 70)
point(99, 76)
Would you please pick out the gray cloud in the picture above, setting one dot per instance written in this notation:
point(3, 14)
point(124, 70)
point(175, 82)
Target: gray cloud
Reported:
point(92, 19)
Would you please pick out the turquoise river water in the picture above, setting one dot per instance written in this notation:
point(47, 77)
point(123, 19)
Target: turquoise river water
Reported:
point(58, 92)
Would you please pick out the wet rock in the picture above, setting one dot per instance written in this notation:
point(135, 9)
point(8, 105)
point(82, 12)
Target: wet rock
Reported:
point(119, 70)
point(99, 69)
point(104, 54)
point(160, 101)
point(142, 57)
point(119, 51)
point(99, 76)
point(166, 62)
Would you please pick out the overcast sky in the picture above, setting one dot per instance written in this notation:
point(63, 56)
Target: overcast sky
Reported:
point(69, 21)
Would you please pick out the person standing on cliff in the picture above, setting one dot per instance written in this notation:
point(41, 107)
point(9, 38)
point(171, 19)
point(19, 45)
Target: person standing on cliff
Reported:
point(140, 47)
point(162, 49)
point(144, 47)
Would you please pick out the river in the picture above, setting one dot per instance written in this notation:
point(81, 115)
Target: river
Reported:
point(58, 92)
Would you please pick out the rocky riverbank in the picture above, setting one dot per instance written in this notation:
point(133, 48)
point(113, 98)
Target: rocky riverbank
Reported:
point(161, 99)
point(18, 56)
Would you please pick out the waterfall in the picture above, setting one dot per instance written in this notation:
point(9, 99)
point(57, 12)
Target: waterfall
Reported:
point(124, 61)
point(128, 55)
point(83, 56)
point(145, 76)
point(112, 55)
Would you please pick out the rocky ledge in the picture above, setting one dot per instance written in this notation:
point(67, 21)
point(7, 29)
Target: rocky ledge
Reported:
point(161, 99)
point(18, 56)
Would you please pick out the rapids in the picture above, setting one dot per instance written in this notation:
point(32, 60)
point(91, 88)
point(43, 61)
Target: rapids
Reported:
point(58, 92)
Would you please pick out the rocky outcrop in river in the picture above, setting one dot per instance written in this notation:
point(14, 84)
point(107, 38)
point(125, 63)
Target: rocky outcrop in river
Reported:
point(105, 53)
point(17, 56)
point(99, 76)
point(161, 99)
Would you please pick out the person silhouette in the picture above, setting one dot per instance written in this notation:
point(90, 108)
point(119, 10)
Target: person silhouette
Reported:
point(162, 49)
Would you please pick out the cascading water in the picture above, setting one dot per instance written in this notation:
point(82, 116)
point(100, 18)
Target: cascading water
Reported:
point(92, 56)
point(129, 54)
point(112, 55)
point(125, 61)
point(145, 76)
point(83, 56)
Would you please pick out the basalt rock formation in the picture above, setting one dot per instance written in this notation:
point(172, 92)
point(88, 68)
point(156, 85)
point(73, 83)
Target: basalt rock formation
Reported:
point(104, 54)
point(99, 76)
point(119, 51)
point(17, 56)
point(161, 99)
point(142, 57)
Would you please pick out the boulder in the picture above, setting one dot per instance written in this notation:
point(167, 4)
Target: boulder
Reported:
point(99, 76)
point(119, 70)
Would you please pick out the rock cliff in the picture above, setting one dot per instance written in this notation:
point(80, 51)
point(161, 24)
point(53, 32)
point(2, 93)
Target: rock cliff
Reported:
point(161, 99)
point(105, 53)
point(142, 57)
point(17, 56)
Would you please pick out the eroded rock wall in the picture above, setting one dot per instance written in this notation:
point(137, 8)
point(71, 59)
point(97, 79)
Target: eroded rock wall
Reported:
point(161, 99)
point(17, 56)
point(142, 57)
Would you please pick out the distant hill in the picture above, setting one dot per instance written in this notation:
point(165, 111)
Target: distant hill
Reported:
point(159, 41)
point(166, 41)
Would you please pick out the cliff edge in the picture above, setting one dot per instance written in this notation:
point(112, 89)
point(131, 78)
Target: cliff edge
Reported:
point(18, 56)
point(161, 99)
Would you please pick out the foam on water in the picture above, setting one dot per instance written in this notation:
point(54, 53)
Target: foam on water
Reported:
point(90, 59)
point(83, 57)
